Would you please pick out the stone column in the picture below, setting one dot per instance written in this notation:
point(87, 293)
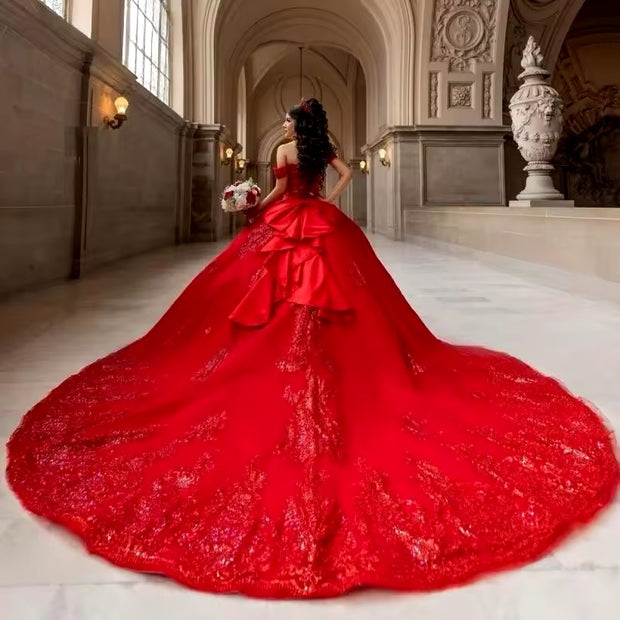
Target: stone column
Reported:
point(205, 188)
point(108, 25)
point(82, 16)
point(357, 192)
point(209, 177)
point(384, 192)
point(86, 136)
point(263, 176)
point(184, 185)
point(360, 198)
point(394, 185)
point(370, 190)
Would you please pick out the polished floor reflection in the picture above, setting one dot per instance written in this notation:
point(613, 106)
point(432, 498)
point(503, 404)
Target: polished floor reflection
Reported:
point(564, 326)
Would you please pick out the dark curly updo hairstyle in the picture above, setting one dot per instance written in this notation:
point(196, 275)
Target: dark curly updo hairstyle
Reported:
point(314, 150)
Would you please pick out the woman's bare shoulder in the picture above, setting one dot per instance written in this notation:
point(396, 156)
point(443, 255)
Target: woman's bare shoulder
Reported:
point(290, 150)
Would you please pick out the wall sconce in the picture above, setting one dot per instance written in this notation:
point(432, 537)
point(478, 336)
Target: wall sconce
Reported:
point(383, 157)
point(240, 164)
point(364, 166)
point(228, 156)
point(121, 104)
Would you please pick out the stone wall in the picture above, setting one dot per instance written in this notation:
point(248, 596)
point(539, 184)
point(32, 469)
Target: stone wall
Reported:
point(75, 194)
point(583, 241)
point(433, 166)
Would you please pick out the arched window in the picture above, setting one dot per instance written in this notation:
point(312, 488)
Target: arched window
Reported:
point(147, 44)
point(58, 6)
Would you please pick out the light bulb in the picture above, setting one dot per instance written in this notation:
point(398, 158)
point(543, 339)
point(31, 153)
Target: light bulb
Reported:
point(121, 104)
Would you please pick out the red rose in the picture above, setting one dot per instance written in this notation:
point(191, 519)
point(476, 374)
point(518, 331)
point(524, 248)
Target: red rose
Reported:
point(228, 194)
point(250, 198)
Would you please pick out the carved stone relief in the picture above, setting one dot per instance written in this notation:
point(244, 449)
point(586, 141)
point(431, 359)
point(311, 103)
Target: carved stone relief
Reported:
point(487, 84)
point(460, 95)
point(463, 31)
point(434, 87)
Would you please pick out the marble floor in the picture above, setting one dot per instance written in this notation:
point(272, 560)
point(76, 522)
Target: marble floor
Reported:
point(563, 326)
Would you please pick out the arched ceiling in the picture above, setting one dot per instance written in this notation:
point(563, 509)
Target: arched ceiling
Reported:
point(380, 34)
point(328, 74)
point(596, 15)
point(285, 56)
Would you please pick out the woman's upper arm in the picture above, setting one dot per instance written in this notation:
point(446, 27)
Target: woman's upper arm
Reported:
point(281, 162)
point(342, 169)
point(281, 156)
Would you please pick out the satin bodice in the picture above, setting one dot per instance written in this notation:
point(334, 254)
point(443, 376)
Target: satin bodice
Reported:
point(296, 185)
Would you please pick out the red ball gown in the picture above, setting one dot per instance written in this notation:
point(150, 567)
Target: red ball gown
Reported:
point(290, 428)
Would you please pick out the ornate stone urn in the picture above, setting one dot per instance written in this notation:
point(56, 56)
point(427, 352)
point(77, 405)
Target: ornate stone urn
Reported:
point(536, 112)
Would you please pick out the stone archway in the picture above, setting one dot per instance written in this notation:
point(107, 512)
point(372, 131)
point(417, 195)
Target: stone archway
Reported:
point(277, 88)
point(548, 21)
point(332, 76)
point(380, 35)
point(310, 24)
point(586, 76)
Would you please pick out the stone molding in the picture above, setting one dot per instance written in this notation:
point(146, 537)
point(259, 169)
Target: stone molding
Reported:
point(415, 133)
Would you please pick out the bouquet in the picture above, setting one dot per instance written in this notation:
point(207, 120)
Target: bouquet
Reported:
point(240, 196)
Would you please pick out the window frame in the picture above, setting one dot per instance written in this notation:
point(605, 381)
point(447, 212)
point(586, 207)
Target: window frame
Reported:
point(157, 37)
point(66, 8)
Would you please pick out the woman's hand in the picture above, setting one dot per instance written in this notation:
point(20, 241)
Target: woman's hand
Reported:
point(345, 178)
point(252, 213)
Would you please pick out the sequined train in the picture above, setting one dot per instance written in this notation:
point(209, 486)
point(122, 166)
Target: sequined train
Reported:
point(290, 428)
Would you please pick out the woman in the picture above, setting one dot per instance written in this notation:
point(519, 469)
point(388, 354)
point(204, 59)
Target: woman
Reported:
point(290, 428)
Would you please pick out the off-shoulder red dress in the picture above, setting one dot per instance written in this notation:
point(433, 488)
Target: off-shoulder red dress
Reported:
point(290, 428)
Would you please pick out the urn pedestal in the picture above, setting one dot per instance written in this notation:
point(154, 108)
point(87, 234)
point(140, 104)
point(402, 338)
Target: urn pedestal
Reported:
point(536, 112)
